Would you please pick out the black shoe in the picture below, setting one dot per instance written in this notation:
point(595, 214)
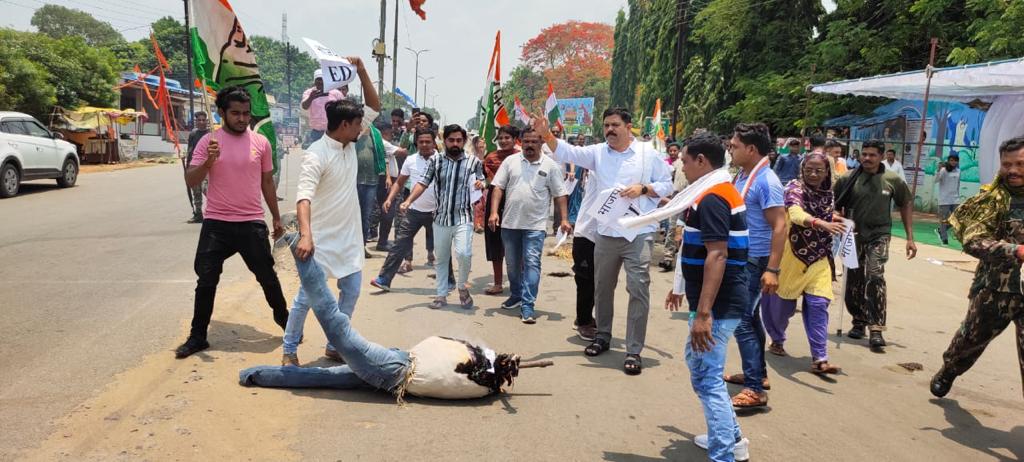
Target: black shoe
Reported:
point(876, 340)
point(191, 346)
point(195, 219)
point(856, 333)
point(941, 383)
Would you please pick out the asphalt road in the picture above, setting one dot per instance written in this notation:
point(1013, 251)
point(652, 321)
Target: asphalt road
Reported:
point(96, 290)
point(92, 278)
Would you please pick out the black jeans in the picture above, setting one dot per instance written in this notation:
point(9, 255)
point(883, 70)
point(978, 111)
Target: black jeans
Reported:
point(409, 224)
point(218, 241)
point(583, 266)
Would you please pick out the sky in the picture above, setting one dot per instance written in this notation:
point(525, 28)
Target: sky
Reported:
point(459, 34)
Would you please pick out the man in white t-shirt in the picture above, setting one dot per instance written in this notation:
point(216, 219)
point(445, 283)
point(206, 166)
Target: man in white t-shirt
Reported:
point(420, 213)
point(332, 235)
point(893, 165)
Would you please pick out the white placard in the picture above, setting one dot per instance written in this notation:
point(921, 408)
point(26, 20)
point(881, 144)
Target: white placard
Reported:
point(610, 207)
point(475, 195)
point(561, 237)
point(846, 249)
point(337, 71)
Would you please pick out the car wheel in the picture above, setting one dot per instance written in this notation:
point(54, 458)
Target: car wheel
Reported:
point(10, 180)
point(69, 174)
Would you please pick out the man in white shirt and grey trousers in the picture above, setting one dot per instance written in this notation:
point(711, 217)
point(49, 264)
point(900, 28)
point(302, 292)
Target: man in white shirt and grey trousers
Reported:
point(947, 176)
point(327, 208)
point(638, 169)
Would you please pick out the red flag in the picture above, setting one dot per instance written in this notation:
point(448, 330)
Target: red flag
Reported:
point(417, 7)
point(163, 96)
point(137, 69)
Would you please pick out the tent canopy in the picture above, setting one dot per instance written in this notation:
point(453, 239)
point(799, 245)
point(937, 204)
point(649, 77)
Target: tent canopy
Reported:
point(982, 82)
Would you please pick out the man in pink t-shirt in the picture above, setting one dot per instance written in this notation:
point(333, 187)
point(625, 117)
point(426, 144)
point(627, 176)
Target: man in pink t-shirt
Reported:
point(239, 165)
point(314, 100)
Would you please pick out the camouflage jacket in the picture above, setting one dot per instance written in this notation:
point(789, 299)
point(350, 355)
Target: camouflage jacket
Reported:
point(991, 226)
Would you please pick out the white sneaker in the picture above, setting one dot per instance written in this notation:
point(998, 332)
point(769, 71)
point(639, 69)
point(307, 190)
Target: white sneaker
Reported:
point(741, 452)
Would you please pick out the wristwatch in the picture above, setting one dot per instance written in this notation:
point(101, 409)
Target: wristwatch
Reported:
point(644, 189)
point(774, 271)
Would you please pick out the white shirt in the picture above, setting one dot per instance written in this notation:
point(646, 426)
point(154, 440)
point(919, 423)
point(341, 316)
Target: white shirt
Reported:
point(949, 185)
point(527, 185)
point(389, 155)
point(328, 182)
point(896, 167)
point(414, 167)
point(609, 168)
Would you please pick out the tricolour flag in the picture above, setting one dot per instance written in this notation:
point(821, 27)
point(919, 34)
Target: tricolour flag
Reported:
point(494, 113)
point(659, 131)
point(551, 108)
point(520, 112)
point(222, 57)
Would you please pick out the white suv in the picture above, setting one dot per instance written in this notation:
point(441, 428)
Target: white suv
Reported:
point(28, 151)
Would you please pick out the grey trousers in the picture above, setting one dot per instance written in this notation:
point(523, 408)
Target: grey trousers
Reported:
point(610, 255)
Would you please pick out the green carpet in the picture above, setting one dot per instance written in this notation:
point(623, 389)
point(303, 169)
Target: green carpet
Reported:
point(925, 232)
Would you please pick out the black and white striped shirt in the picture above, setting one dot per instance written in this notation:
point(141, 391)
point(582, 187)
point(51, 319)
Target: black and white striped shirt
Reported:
point(453, 184)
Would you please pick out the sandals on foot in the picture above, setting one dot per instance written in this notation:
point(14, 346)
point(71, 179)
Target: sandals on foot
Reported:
point(776, 349)
point(633, 365)
point(823, 367)
point(495, 290)
point(596, 347)
point(749, 398)
point(739, 379)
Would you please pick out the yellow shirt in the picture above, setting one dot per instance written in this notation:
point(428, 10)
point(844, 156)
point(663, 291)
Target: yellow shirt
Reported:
point(796, 278)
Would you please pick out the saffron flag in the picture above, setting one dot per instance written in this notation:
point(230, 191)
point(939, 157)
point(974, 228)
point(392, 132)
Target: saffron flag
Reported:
point(417, 7)
point(163, 97)
point(551, 108)
point(659, 131)
point(223, 57)
point(494, 113)
point(520, 112)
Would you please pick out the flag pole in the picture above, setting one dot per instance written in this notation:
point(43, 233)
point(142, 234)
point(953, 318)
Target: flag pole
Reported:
point(188, 58)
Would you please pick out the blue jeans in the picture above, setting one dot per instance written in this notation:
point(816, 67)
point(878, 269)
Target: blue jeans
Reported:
point(445, 238)
point(706, 377)
point(348, 293)
point(368, 365)
point(523, 248)
point(367, 201)
point(750, 335)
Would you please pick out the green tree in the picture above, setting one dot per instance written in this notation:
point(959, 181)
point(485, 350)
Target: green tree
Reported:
point(58, 22)
point(170, 35)
point(24, 84)
point(271, 57)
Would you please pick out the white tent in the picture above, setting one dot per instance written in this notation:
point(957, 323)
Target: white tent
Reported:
point(1000, 83)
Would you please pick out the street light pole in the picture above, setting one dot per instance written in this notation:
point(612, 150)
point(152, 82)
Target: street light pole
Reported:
point(416, 82)
point(425, 88)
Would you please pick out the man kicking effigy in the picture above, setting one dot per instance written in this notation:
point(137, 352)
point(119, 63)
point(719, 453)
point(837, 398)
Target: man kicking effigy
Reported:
point(437, 367)
point(989, 225)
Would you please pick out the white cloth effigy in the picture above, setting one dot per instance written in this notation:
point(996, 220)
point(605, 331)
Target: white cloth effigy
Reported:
point(682, 201)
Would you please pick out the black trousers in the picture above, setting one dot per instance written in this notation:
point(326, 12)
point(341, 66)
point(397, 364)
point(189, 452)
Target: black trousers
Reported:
point(583, 266)
point(218, 241)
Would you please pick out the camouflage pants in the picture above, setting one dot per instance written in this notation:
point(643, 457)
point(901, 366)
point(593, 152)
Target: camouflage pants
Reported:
point(197, 199)
point(988, 315)
point(865, 286)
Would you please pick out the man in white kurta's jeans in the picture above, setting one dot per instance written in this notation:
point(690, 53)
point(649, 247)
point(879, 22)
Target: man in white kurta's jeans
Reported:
point(636, 167)
point(332, 235)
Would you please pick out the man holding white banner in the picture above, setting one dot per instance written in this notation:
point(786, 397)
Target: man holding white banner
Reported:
point(330, 83)
point(628, 176)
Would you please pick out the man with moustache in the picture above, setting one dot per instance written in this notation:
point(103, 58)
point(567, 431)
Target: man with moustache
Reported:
point(239, 165)
point(989, 225)
point(642, 176)
point(866, 196)
point(453, 175)
point(525, 181)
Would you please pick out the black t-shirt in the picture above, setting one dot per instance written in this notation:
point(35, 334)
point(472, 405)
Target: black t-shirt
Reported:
point(713, 220)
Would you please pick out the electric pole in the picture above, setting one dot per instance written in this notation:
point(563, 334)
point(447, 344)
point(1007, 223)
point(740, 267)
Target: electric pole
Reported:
point(394, 57)
point(287, 60)
point(683, 22)
point(380, 49)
